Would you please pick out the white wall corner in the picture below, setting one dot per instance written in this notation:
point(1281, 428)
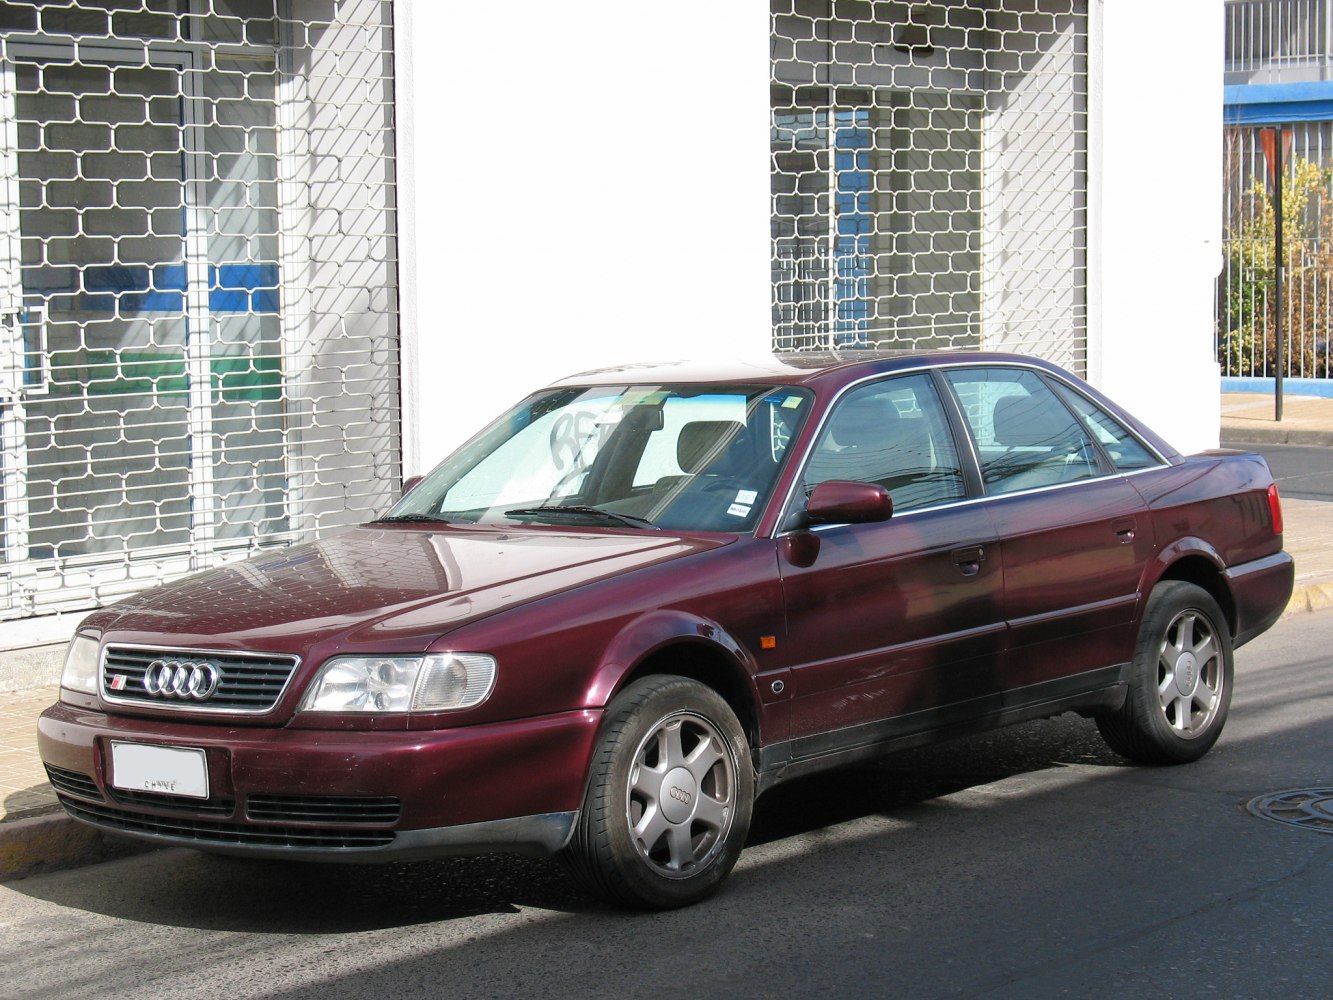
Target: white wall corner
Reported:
point(1095, 327)
point(1155, 213)
point(405, 175)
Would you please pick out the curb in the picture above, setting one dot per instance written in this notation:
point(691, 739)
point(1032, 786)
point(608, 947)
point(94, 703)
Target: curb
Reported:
point(1309, 597)
point(50, 841)
point(1275, 434)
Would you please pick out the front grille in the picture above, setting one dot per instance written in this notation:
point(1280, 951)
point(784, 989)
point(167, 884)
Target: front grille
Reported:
point(248, 683)
point(175, 803)
point(72, 782)
point(382, 809)
point(212, 833)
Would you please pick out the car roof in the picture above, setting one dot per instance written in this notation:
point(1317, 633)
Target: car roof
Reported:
point(824, 369)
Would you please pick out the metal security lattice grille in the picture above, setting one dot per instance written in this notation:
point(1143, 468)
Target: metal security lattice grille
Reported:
point(929, 175)
point(1249, 287)
point(1272, 41)
point(199, 347)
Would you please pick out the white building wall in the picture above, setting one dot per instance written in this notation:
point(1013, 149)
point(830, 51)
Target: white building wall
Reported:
point(591, 184)
point(591, 187)
point(1156, 211)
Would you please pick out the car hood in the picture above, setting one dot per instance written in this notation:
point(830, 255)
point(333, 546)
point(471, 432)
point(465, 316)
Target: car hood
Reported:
point(399, 587)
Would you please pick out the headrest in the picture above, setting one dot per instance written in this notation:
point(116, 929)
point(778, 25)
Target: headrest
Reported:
point(1028, 422)
point(870, 421)
point(701, 442)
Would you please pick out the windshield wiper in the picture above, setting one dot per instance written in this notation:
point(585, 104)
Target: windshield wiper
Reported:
point(409, 519)
point(582, 511)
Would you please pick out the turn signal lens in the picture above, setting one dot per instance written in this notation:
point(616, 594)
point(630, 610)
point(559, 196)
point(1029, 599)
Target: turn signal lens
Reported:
point(453, 680)
point(1275, 509)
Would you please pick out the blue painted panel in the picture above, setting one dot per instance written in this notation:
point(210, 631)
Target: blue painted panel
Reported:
point(1290, 386)
point(1274, 103)
point(244, 288)
point(137, 288)
point(1278, 93)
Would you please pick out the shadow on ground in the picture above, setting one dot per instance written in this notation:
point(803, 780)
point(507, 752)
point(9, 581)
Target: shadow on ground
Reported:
point(188, 889)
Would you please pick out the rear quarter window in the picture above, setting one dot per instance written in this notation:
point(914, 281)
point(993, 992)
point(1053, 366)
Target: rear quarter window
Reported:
point(1124, 450)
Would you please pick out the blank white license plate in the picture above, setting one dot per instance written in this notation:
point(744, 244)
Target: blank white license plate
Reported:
point(164, 770)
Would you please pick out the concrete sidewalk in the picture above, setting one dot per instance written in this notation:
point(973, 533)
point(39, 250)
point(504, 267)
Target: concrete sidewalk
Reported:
point(1247, 418)
point(35, 835)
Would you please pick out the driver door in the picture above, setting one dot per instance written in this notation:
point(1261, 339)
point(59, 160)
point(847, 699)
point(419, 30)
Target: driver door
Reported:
point(894, 627)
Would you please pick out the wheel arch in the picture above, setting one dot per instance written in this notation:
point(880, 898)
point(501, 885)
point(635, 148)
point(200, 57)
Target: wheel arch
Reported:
point(1194, 561)
point(673, 642)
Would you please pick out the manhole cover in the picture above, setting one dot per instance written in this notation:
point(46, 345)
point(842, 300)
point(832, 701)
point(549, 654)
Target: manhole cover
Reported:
point(1308, 808)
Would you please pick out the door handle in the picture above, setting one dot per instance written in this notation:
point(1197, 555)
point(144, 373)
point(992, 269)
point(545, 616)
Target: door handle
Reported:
point(969, 559)
point(1124, 529)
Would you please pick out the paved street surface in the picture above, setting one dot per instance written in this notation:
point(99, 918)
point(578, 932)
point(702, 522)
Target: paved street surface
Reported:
point(1029, 863)
point(1303, 472)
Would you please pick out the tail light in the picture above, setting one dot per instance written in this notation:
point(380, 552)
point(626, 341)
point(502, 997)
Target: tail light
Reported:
point(1275, 509)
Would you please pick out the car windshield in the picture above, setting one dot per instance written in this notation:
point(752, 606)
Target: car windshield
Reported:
point(680, 457)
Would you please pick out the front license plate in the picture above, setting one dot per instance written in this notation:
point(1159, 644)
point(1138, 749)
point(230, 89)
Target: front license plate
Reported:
point(164, 770)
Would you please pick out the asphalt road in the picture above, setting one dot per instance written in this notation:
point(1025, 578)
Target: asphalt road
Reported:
point(1302, 472)
point(1026, 864)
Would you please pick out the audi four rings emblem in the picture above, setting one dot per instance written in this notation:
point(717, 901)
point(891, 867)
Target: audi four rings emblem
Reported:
point(184, 679)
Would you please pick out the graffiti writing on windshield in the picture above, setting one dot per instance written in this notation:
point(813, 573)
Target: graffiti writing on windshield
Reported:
point(573, 442)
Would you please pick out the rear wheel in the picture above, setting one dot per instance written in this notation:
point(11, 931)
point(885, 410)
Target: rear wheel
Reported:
point(669, 798)
point(1180, 683)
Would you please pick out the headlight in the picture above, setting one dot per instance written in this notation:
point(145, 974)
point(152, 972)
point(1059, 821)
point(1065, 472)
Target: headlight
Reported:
point(80, 673)
point(436, 682)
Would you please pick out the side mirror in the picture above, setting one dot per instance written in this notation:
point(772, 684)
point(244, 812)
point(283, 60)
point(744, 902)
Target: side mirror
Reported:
point(409, 484)
point(840, 501)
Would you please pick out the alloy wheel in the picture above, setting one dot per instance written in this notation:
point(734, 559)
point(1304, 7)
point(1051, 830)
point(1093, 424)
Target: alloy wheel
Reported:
point(681, 796)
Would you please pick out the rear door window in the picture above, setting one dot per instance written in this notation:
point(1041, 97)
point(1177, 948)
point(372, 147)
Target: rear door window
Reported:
point(1025, 437)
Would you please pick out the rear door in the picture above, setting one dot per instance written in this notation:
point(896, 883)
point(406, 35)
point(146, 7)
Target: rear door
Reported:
point(1073, 532)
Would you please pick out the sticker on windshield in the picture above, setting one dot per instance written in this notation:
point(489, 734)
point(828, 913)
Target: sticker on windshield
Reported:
point(791, 402)
point(738, 510)
point(746, 496)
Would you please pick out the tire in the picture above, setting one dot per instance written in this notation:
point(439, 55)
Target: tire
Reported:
point(669, 797)
point(1180, 680)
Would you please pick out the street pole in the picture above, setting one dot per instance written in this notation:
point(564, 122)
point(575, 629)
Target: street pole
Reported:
point(1279, 254)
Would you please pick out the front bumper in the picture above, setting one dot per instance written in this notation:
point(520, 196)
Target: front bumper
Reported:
point(335, 795)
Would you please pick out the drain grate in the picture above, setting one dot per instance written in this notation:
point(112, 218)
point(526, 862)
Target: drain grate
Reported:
point(1308, 808)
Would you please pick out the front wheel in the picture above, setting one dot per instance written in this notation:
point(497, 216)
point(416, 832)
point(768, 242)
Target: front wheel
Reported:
point(1180, 680)
point(669, 797)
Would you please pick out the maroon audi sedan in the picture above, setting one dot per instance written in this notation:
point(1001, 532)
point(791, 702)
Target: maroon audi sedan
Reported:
point(645, 595)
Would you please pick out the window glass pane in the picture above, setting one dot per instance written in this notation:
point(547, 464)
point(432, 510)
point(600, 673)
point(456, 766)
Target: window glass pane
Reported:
point(18, 16)
point(875, 214)
point(893, 433)
point(250, 22)
point(1125, 451)
point(1025, 437)
point(101, 196)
